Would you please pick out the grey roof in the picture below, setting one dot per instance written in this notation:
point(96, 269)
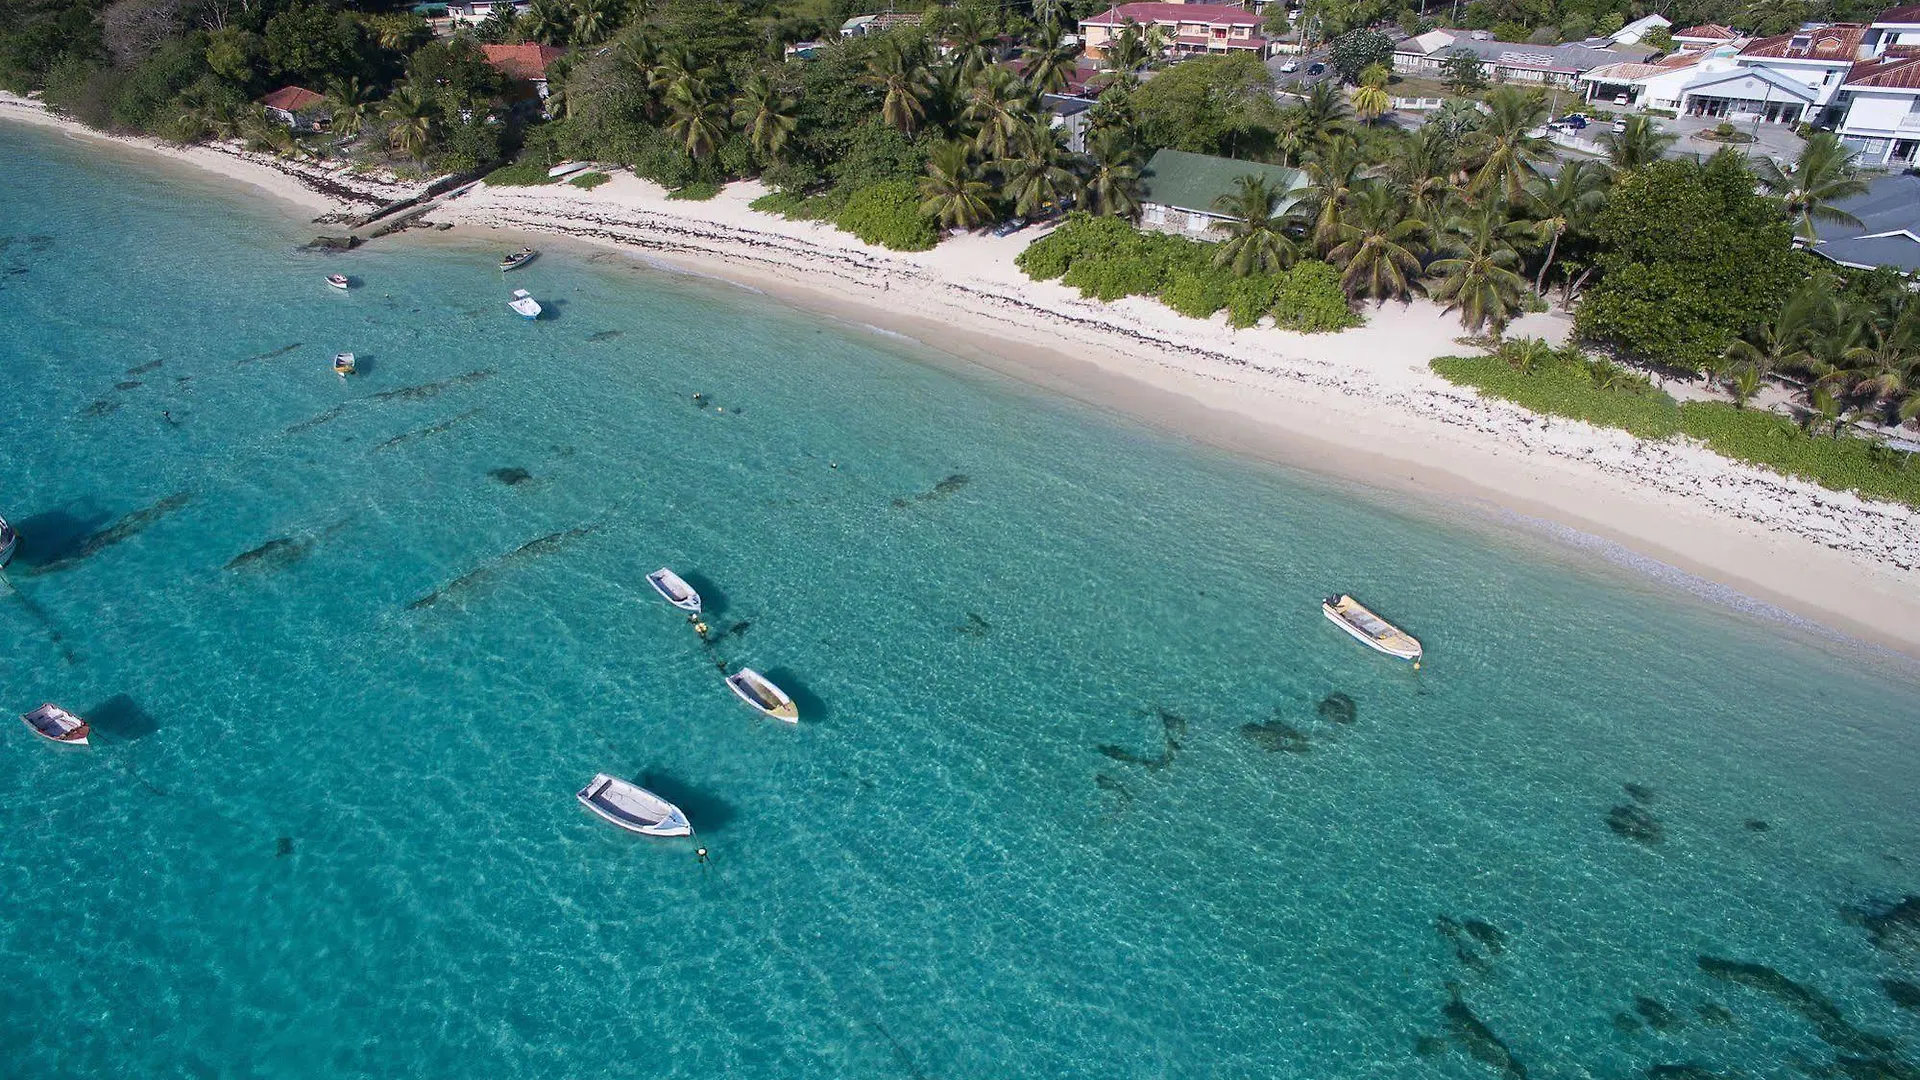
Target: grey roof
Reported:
point(1187, 181)
point(1791, 87)
point(1889, 229)
point(1066, 104)
point(1563, 58)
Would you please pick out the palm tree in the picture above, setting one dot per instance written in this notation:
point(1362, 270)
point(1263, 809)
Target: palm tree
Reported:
point(206, 112)
point(593, 20)
point(1480, 278)
point(1421, 169)
point(1126, 53)
point(1047, 12)
point(1560, 204)
point(1325, 110)
point(349, 104)
point(413, 119)
point(1785, 341)
point(765, 114)
point(1880, 369)
point(1333, 176)
point(1822, 175)
point(998, 106)
point(1049, 65)
point(950, 193)
point(898, 70)
point(1258, 241)
point(1504, 152)
point(1378, 253)
point(1292, 133)
point(698, 122)
point(1113, 187)
point(1039, 176)
point(1370, 102)
point(547, 22)
point(974, 41)
point(1636, 144)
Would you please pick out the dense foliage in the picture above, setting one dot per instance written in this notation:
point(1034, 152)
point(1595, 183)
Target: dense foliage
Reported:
point(1564, 383)
point(1107, 259)
point(1776, 442)
point(889, 214)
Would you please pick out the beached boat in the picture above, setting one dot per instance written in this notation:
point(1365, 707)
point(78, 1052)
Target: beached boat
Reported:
point(55, 724)
point(518, 259)
point(1379, 634)
point(758, 691)
point(524, 304)
point(8, 541)
point(633, 807)
point(339, 281)
point(675, 589)
point(343, 364)
point(568, 168)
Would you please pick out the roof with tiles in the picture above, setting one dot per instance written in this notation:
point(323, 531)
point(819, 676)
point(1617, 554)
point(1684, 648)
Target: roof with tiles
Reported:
point(1839, 43)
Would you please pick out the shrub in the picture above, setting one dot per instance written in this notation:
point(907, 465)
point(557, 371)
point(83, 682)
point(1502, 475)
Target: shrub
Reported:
point(1196, 294)
point(1772, 441)
point(1308, 298)
point(889, 214)
point(1051, 255)
point(527, 172)
point(1249, 298)
point(695, 191)
point(1562, 385)
point(590, 180)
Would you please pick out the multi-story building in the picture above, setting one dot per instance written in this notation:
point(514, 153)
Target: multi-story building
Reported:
point(1187, 28)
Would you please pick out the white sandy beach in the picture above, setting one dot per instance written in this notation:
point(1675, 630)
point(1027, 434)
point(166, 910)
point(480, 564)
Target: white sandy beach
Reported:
point(1361, 405)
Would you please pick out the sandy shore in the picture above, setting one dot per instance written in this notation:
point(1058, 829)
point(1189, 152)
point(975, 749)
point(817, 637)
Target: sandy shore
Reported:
point(1361, 405)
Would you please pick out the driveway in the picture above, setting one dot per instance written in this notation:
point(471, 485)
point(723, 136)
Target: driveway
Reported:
point(1776, 141)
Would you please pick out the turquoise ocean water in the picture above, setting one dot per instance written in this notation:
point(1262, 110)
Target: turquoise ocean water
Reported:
point(1074, 795)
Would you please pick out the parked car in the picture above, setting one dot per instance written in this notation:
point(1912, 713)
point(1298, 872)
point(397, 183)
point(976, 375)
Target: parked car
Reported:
point(1576, 121)
point(1010, 226)
point(1289, 67)
point(1619, 125)
point(1316, 68)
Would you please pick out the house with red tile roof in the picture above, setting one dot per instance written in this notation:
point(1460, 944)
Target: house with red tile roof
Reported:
point(1708, 36)
point(1189, 28)
point(1882, 121)
point(297, 107)
point(526, 66)
point(1783, 79)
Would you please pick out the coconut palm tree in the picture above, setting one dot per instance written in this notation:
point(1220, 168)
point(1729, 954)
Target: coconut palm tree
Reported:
point(1562, 203)
point(594, 20)
point(349, 104)
point(1822, 175)
point(1879, 369)
point(1421, 168)
point(1047, 12)
point(547, 22)
point(206, 112)
point(1127, 52)
point(1325, 111)
point(413, 120)
point(898, 70)
point(1787, 340)
point(974, 41)
point(1638, 143)
point(998, 106)
point(1504, 153)
point(1049, 64)
point(698, 121)
point(1370, 101)
point(950, 192)
point(765, 114)
point(1258, 240)
point(1379, 249)
point(1113, 185)
point(1334, 175)
point(1039, 175)
point(1481, 277)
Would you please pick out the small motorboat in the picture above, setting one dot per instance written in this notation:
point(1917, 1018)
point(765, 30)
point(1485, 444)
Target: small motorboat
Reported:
point(568, 168)
point(340, 281)
point(524, 304)
point(1379, 634)
point(675, 589)
point(343, 364)
point(8, 541)
point(518, 259)
point(756, 690)
point(55, 724)
point(633, 807)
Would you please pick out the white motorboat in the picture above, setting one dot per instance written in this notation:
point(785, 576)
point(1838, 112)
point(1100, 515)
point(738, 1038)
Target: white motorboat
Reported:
point(524, 304)
point(343, 364)
point(767, 699)
point(8, 541)
point(675, 589)
point(568, 168)
point(633, 807)
point(1377, 633)
point(518, 259)
point(55, 724)
point(339, 281)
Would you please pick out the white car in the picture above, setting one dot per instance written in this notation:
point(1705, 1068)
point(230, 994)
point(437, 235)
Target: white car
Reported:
point(1289, 67)
point(1619, 126)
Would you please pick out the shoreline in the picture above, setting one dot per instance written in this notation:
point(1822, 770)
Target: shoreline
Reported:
point(1360, 406)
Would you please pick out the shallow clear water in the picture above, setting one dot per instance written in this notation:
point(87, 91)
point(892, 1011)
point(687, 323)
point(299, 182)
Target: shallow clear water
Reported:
point(329, 828)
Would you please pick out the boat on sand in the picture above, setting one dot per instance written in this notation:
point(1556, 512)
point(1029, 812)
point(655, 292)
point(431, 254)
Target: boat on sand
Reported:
point(524, 304)
point(633, 807)
point(767, 699)
point(675, 590)
point(1377, 633)
point(55, 724)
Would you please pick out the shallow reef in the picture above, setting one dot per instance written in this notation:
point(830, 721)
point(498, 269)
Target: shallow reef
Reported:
point(1475, 942)
point(940, 490)
point(1477, 1038)
point(511, 475)
point(1893, 926)
point(1828, 1023)
point(1337, 708)
point(532, 549)
point(128, 526)
point(1634, 823)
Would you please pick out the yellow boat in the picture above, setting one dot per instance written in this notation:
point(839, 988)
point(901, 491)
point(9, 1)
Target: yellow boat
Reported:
point(1379, 634)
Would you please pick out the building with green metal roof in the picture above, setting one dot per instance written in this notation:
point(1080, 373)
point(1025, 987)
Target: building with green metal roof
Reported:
point(1178, 190)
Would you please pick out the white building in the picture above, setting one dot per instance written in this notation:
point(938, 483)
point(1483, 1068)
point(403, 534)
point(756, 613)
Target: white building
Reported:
point(1631, 33)
point(1882, 121)
point(1656, 85)
point(1504, 61)
point(479, 11)
point(1783, 79)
